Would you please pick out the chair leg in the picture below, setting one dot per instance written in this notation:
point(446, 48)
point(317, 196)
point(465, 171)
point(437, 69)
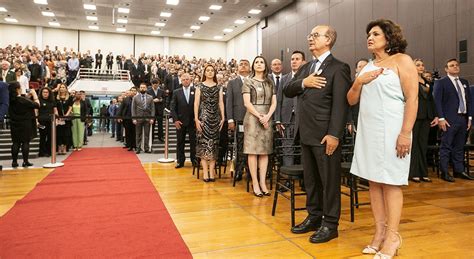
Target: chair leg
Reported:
point(198, 167)
point(292, 202)
point(351, 196)
point(275, 197)
point(247, 172)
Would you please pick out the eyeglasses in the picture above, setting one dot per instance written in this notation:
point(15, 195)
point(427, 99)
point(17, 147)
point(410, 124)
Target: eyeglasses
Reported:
point(315, 35)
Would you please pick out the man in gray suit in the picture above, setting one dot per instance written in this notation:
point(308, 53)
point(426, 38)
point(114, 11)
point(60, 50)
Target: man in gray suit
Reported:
point(235, 114)
point(286, 107)
point(142, 105)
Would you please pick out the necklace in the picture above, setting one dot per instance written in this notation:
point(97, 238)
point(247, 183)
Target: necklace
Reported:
point(380, 60)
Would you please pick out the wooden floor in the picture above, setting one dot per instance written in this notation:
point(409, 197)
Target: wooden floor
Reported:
point(217, 220)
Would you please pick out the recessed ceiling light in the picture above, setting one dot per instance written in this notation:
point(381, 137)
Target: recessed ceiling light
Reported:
point(3, 10)
point(195, 27)
point(91, 18)
point(93, 27)
point(89, 7)
point(239, 21)
point(204, 18)
point(227, 30)
point(218, 37)
point(155, 32)
point(122, 20)
point(56, 24)
point(43, 2)
point(49, 14)
point(215, 7)
point(172, 2)
point(123, 10)
point(8, 19)
point(188, 35)
point(160, 24)
point(121, 29)
point(165, 14)
point(255, 11)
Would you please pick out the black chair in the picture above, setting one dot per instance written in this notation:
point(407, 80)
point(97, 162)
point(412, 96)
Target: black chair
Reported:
point(469, 155)
point(287, 173)
point(433, 158)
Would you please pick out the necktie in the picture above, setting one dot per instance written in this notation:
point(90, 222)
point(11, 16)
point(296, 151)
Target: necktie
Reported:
point(277, 84)
point(462, 107)
point(315, 66)
point(143, 101)
point(186, 94)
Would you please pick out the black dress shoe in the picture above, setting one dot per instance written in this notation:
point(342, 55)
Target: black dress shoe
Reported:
point(448, 178)
point(148, 151)
point(464, 175)
point(323, 235)
point(125, 147)
point(14, 164)
point(426, 179)
point(306, 226)
point(179, 165)
point(1, 167)
point(238, 177)
point(26, 164)
point(415, 179)
point(138, 152)
point(212, 179)
point(283, 189)
point(130, 149)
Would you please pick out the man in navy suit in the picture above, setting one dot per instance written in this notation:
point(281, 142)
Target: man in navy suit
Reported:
point(182, 111)
point(453, 103)
point(3, 103)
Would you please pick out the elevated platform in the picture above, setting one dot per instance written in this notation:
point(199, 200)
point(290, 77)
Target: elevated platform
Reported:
point(101, 82)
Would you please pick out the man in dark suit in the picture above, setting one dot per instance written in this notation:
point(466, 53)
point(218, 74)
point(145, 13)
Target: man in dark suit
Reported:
point(182, 111)
point(321, 87)
point(125, 110)
point(453, 104)
point(109, 60)
point(276, 75)
point(98, 59)
point(135, 73)
point(8, 75)
point(171, 84)
point(158, 96)
point(235, 110)
point(4, 102)
point(35, 69)
point(142, 105)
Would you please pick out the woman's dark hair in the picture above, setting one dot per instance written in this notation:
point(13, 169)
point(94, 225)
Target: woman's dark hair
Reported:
point(204, 77)
point(265, 72)
point(12, 88)
point(396, 43)
point(50, 96)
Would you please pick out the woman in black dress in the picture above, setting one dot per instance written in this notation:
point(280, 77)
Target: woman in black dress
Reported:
point(45, 111)
point(22, 122)
point(209, 118)
point(63, 125)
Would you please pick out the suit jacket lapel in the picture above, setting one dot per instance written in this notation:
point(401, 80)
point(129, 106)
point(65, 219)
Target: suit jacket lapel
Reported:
point(325, 63)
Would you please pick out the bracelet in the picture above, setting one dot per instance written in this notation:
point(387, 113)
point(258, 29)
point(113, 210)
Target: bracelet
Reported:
point(407, 137)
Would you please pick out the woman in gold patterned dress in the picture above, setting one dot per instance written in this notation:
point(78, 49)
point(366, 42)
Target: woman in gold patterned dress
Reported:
point(260, 100)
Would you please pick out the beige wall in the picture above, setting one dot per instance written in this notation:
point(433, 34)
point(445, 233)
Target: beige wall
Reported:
point(431, 27)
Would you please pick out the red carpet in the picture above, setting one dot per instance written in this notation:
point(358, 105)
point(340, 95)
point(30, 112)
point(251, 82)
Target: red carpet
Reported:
point(100, 204)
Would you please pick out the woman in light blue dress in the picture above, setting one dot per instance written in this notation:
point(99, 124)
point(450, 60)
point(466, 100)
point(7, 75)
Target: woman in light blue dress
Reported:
point(387, 90)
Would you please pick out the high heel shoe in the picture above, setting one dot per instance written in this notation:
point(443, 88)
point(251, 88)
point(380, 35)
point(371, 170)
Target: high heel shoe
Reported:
point(267, 193)
point(372, 250)
point(260, 195)
point(380, 255)
point(26, 164)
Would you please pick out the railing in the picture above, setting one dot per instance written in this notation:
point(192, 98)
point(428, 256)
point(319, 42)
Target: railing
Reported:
point(103, 75)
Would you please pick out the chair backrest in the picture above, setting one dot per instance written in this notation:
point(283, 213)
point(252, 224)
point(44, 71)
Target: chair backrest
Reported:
point(285, 145)
point(34, 85)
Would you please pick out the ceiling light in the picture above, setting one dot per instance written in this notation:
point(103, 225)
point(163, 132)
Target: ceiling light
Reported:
point(215, 7)
point(239, 21)
point(93, 27)
point(255, 11)
point(43, 2)
point(56, 24)
point(91, 18)
point(218, 37)
point(49, 14)
point(165, 14)
point(123, 10)
point(195, 27)
point(228, 30)
point(155, 32)
point(121, 29)
point(172, 2)
point(160, 24)
point(2, 9)
point(8, 19)
point(204, 18)
point(188, 35)
point(89, 7)
point(122, 21)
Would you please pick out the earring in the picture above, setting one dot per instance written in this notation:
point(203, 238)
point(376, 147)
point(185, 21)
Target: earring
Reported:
point(388, 50)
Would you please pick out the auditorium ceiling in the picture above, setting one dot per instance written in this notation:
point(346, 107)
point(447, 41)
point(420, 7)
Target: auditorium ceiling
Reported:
point(145, 17)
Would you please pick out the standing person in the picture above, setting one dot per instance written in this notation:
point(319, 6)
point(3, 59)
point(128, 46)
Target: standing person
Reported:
point(182, 111)
point(89, 113)
point(125, 111)
point(46, 110)
point(209, 118)
point(22, 122)
point(387, 89)
point(103, 112)
point(276, 75)
point(453, 103)
point(171, 83)
point(64, 108)
point(259, 96)
point(118, 122)
point(158, 96)
point(73, 68)
point(321, 87)
point(426, 117)
point(224, 133)
point(79, 110)
point(4, 103)
point(142, 105)
point(353, 114)
point(8, 75)
point(235, 110)
point(98, 60)
point(113, 107)
point(109, 59)
point(118, 60)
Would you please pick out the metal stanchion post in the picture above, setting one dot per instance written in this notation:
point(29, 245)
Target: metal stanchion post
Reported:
point(53, 163)
point(166, 159)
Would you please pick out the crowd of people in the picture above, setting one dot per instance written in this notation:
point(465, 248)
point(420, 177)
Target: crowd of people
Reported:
point(392, 105)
